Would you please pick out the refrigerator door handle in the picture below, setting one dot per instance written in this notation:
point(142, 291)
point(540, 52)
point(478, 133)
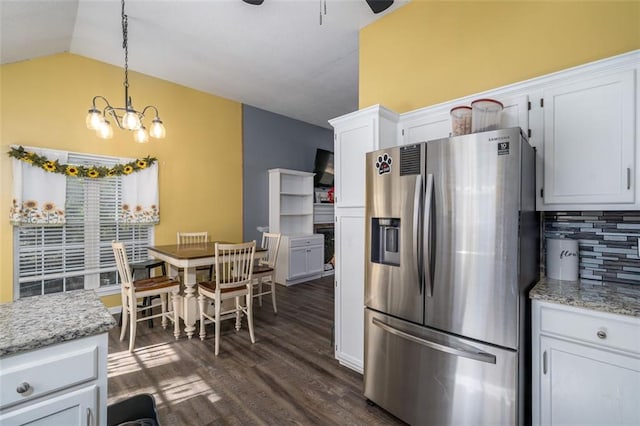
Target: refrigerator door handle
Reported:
point(478, 355)
point(427, 237)
point(416, 231)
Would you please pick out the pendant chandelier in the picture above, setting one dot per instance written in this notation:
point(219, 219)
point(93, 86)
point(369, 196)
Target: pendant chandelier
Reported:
point(126, 117)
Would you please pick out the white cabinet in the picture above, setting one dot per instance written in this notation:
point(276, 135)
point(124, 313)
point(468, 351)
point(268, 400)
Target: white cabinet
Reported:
point(589, 142)
point(301, 258)
point(349, 301)
point(425, 126)
point(432, 123)
point(291, 213)
point(585, 365)
point(62, 384)
point(290, 201)
point(355, 134)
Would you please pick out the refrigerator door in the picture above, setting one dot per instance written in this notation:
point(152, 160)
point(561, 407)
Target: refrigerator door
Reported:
point(474, 236)
point(426, 377)
point(394, 189)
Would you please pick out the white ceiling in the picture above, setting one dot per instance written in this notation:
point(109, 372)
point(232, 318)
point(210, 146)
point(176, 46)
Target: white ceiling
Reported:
point(275, 56)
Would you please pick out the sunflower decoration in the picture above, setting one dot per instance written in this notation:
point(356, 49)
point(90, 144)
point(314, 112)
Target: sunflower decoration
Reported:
point(49, 166)
point(93, 172)
point(71, 171)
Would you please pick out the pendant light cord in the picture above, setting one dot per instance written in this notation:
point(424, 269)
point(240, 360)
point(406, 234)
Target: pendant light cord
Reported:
point(125, 46)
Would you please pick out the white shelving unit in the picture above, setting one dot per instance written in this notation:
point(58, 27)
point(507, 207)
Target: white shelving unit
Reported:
point(290, 202)
point(291, 214)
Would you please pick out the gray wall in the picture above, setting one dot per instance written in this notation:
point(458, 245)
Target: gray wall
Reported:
point(273, 141)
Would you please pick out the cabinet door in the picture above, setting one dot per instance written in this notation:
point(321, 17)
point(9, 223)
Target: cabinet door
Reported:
point(589, 140)
point(429, 127)
point(350, 290)
point(351, 144)
point(73, 408)
point(585, 385)
point(315, 259)
point(297, 262)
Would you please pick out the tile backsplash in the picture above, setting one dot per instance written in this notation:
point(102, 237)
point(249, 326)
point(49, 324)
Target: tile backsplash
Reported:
point(608, 242)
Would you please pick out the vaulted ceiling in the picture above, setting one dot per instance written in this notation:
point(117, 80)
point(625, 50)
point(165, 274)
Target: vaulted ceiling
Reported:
point(284, 56)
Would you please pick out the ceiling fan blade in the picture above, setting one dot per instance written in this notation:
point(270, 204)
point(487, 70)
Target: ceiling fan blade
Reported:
point(254, 2)
point(378, 6)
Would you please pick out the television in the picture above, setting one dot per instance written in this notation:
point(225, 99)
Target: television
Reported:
point(323, 168)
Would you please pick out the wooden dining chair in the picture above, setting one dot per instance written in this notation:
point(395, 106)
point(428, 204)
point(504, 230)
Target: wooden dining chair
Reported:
point(206, 272)
point(264, 272)
point(131, 290)
point(233, 280)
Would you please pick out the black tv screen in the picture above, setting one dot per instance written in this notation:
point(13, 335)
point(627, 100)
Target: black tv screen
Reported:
point(323, 168)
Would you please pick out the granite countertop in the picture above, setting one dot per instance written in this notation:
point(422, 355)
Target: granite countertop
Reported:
point(38, 321)
point(613, 298)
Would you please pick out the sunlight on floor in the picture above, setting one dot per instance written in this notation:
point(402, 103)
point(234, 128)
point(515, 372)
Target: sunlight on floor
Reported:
point(173, 389)
point(186, 388)
point(124, 362)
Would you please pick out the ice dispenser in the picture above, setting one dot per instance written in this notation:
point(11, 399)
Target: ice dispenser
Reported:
point(385, 241)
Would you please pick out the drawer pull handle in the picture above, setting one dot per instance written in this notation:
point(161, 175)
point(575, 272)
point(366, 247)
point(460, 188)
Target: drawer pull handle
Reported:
point(601, 334)
point(23, 387)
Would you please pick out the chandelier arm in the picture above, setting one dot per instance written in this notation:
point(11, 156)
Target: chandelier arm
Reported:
point(112, 112)
point(103, 98)
point(150, 106)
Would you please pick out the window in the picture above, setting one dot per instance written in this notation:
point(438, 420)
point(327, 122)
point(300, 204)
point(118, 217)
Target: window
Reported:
point(51, 259)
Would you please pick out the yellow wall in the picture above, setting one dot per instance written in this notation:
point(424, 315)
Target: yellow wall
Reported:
point(430, 52)
point(43, 103)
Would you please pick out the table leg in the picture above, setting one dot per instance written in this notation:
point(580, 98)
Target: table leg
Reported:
point(190, 309)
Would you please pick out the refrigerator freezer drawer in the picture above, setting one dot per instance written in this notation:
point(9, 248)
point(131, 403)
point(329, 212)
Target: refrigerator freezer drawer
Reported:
point(428, 377)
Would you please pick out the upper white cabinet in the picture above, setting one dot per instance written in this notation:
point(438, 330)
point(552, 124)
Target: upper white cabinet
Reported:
point(589, 142)
point(583, 122)
point(290, 202)
point(354, 135)
point(435, 122)
point(425, 127)
point(585, 365)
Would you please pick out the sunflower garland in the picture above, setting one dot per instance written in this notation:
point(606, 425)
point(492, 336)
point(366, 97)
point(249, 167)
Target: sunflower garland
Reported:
point(92, 172)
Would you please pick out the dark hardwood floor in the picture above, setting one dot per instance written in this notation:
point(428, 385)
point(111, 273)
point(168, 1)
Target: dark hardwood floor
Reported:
point(289, 376)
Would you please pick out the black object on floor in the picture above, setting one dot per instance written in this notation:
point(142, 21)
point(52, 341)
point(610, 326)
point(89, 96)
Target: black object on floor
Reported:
point(138, 410)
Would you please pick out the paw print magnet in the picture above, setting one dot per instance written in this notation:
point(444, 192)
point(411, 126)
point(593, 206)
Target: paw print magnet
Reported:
point(383, 164)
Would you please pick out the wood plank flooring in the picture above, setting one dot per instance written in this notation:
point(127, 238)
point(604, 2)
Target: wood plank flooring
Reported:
point(289, 376)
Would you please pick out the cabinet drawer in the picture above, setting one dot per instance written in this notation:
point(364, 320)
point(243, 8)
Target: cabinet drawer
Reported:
point(307, 241)
point(606, 330)
point(45, 371)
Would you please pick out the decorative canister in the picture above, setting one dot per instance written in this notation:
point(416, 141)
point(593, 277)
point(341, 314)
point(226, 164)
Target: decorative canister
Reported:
point(562, 259)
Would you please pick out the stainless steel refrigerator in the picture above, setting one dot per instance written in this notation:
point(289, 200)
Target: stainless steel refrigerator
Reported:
point(452, 242)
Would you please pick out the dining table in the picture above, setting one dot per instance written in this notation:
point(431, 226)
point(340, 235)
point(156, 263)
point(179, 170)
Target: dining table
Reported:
point(188, 257)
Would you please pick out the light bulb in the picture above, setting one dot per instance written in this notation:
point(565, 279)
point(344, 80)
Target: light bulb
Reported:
point(105, 131)
point(131, 121)
point(94, 119)
point(141, 135)
point(157, 129)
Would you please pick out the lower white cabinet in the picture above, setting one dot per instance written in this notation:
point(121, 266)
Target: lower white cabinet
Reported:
point(586, 366)
point(301, 258)
point(349, 292)
point(61, 384)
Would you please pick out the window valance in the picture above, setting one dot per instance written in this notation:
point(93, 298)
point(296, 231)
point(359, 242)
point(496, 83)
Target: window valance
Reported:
point(40, 185)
